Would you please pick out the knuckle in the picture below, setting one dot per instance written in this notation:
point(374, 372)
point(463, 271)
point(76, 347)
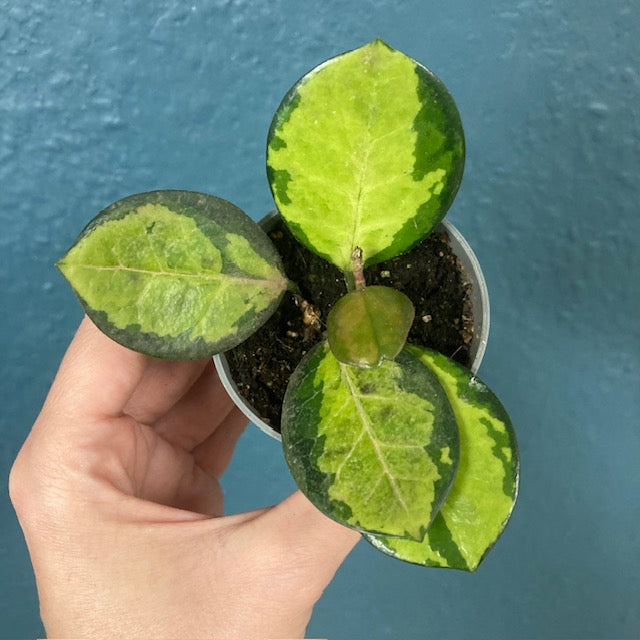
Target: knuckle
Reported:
point(18, 484)
point(32, 488)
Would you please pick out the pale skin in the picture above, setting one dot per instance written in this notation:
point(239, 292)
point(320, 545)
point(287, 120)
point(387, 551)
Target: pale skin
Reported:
point(117, 491)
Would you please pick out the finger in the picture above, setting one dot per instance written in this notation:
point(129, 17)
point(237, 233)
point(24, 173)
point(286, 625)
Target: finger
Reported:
point(314, 544)
point(301, 524)
point(97, 376)
point(214, 454)
point(163, 384)
point(198, 413)
point(168, 476)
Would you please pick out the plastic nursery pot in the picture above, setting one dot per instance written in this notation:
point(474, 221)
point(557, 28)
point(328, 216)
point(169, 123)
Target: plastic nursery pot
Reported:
point(479, 297)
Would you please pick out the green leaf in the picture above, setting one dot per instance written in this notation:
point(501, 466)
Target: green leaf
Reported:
point(175, 274)
point(375, 449)
point(365, 150)
point(484, 492)
point(364, 327)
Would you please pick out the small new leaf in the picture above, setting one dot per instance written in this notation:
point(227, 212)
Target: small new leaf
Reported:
point(482, 498)
point(175, 274)
point(367, 326)
point(375, 449)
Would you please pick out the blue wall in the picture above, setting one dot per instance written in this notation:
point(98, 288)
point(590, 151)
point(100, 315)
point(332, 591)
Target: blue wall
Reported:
point(100, 99)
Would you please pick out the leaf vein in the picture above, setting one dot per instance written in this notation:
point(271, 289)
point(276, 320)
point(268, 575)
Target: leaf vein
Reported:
point(373, 490)
point(353, 448)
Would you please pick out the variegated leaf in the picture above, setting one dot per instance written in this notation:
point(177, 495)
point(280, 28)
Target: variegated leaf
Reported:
point(175, 274)
point(365, 150)
point(375, 449)
point(484, 492)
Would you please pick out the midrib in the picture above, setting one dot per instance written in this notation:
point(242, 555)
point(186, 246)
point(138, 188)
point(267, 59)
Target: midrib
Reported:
point(366, 425)
point(280, 283)
point(364, 167)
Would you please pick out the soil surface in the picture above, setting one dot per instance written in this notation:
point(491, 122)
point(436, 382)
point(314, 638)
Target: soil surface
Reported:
point(430, 275)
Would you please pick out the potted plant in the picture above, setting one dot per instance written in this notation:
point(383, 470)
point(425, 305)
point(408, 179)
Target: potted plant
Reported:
point(364, 156)
point(441, 276)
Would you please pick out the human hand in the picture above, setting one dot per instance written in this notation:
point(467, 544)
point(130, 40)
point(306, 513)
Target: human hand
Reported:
point(117, 491)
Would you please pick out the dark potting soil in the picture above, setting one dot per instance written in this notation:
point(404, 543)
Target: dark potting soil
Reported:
point(430, 275)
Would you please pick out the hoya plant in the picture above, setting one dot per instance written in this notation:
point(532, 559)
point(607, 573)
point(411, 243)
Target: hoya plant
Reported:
point(364, 157)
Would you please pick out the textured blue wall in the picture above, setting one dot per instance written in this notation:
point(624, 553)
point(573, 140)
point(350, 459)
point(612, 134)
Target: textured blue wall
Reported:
point(99, 99)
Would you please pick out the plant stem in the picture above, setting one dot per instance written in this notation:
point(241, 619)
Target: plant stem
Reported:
point(357, 268)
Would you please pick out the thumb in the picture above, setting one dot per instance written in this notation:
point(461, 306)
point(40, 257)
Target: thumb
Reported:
point(307, 539)
point(287, 554)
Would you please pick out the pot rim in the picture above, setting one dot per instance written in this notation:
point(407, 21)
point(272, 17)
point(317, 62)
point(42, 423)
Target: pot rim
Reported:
point(479, 297)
